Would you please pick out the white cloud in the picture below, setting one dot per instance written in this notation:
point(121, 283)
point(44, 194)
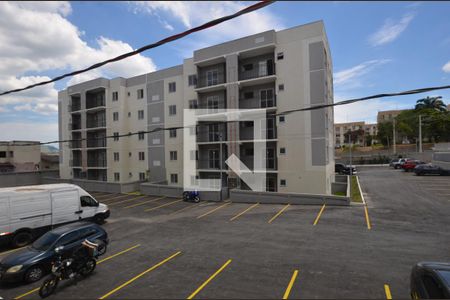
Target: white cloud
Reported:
point(194, 13)
point(37, 37)
point(34, 131)
point(352, 77)
point(390, 30)
point(446, 67)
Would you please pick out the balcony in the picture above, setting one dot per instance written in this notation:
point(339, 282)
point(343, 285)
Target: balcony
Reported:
point(246, 130)
point(98, 175)
point(211, 77)
point(95, 123)
point(210, 80)
point(97, 163)
point(75, 163)
point(256, 67)
point(95, 99)
point(96, 142)
point(75, 126)
point(211, 133)
point(258, 102)
point(75, 144)
point(75, 103)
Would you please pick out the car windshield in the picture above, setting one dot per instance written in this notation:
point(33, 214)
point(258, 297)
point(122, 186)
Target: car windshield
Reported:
point(446, 275)
point(45, 241)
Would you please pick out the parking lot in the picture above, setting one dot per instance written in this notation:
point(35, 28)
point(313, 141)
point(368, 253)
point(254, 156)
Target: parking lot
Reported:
point(166, 248)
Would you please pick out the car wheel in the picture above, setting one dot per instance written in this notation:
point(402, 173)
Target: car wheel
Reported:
point(22, 238)
point(99, 219)
point(33, 274)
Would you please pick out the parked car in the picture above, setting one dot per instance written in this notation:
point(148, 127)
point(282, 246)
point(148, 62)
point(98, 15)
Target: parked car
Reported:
point(394, 162)
point(398, 164)
point(344, 169)
point(429, 169)
point(430, 280)
point(27, 212)
point(33, 262)
point(411, 164)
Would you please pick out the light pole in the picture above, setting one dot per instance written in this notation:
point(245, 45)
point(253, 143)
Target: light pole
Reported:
point(394, 138)
point(420, 134)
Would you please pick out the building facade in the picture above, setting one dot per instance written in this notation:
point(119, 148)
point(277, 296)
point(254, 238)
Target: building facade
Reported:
point(14, 157)
point(388, 115)
point(277, 71)
point(365, 133)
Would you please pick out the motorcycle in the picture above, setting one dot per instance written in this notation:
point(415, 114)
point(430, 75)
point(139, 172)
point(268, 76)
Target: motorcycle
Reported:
point(65, 269)
point(191, 196)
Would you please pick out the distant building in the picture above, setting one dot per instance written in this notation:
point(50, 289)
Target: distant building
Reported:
point(388, 115)
point(448, 107)
point(14, 157)
point(341, 129)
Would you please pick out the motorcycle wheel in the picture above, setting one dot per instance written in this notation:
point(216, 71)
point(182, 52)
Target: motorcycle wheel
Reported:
point(196, 199)
point(48, 287)
point(88, 267)
point(101, 249)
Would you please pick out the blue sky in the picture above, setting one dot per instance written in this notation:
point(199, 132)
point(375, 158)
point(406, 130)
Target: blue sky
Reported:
point(375, 47)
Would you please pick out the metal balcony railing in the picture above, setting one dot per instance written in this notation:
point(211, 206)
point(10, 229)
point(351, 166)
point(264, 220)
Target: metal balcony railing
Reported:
point(96, 162)
point(75, 162)
point(95, 102)
point(74, 144)
point(75, 126)
point(257, 72)
point(95, 123)
point(258, 102)
point(210, 79)
point(96, 143)
point(75, 106)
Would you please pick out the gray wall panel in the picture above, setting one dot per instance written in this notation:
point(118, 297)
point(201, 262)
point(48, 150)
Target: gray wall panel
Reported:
point(316, 56)
point(318, 152)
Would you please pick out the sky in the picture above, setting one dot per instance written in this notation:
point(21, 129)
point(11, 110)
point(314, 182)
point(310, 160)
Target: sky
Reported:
point(376, 47)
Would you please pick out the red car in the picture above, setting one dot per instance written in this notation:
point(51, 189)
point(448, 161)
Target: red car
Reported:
point(411, 164)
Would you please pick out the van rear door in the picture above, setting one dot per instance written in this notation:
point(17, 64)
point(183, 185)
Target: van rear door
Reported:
point(65, 206)
point(4, 216)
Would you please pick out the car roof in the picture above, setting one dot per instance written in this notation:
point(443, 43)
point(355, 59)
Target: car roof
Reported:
point(433, 266)
point(72, 226)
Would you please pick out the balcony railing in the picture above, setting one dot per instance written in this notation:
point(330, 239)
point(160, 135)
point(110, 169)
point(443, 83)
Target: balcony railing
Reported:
point(95, 123)
point(96, 163)
point(258, 103)
point(75, 126)
point(258, 72)
point(75, 162)
point(75, 144)
point(95, 102)
point(75, 106)
point(96, 143)
point(210, 79)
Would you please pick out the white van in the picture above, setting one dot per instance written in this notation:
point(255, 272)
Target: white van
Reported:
point(28, 211)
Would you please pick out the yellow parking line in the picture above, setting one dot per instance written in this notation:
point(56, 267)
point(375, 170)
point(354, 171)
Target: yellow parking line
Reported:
point(185, 208)
point(243, 212)
point(145, 202)
point(318, 215)
point(213, 210)
point(113, 198)
point(367, 217)
point(387, 290)
point(11, 251)
point(291, 283)
point(99, 262)
point(191, 296)
point(128, 200)
point(278, 213)
point(164, 205)
point(104, 196)
point(140, 275)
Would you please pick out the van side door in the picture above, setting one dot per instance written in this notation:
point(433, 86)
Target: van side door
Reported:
point(5, 225)
point(65, 207)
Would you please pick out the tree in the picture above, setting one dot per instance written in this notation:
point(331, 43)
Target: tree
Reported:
point(354, 135)
point(435, 103)
point(385, 133)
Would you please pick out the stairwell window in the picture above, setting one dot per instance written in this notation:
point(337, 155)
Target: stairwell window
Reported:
point(140, 93)
point(116, 176)
point(141, 135)
point(172, 133)
point(174, 178)
point(140, 114)
point(115, 96)
point(172, 110)
point(116, 136)
point(172, 87)
point(192, 80)
point(116, 156)
point(115, 116)
point(141, 155)
point(173, 155)
point(282, 182)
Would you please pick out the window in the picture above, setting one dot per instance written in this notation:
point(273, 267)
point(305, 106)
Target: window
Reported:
point(87, 232)
point(247, 67)
point(213, 132)
point(434, 291)
point(116, 156)
point(266, 97)
point(129, 154)
point(68, 239)
point(140, 93)
point(141, 155)
point(280, 55)
point(262, 71)
point(129, 114)
point(282, 119)
point(213, 104)
point(141, 176)
point(141, 135)
point(115, 116)
point(174, 178)
point(140, 114)
point(2, 153)
point(172, 87)
point(193, 104)
point(88, 201)
point(116, 136)
point(128, 94)
point(282, 150)
point(282, 182)
point(172, 110)
point(173, 133)
point(116, 176)
point(249, 95)
point(173, 155)
point(115, 96)
point(281, 87)
point(192, 80)
point(213, 156)
point(212, 77)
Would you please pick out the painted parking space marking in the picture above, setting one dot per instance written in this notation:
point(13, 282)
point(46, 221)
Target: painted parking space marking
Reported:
point(244, 211)
point(318, 215)
point(278, 213)
point(366, 212)
point(185, 208)
point(164, 205)
point(99, 262)
point(145, 202)
point(387, 291)
point(128, 200)
point(191, 296)
point(290, 285)
point(140, 275)
point(213, 210)
point(113, 198)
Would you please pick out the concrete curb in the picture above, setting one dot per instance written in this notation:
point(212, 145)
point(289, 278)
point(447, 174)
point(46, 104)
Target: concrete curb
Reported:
point(360, 191)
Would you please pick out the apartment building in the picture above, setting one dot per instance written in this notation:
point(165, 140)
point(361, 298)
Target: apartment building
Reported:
point(388, 115)
point(14, 157)
point(367, 133)
point(277, 71)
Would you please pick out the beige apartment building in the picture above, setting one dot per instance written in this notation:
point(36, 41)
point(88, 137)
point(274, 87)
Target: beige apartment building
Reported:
point(340, 130)
point(14, 157)
point(274, 70)
point(388, 115)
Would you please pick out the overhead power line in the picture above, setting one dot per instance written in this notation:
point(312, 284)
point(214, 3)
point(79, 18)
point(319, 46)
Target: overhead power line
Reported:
point(169, 39)
point(315, 107)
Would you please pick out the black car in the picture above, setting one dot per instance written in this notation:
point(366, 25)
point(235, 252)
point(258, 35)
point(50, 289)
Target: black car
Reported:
point(430, 280)
point(429, 169)
point(31, 263)
point(343, 169)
